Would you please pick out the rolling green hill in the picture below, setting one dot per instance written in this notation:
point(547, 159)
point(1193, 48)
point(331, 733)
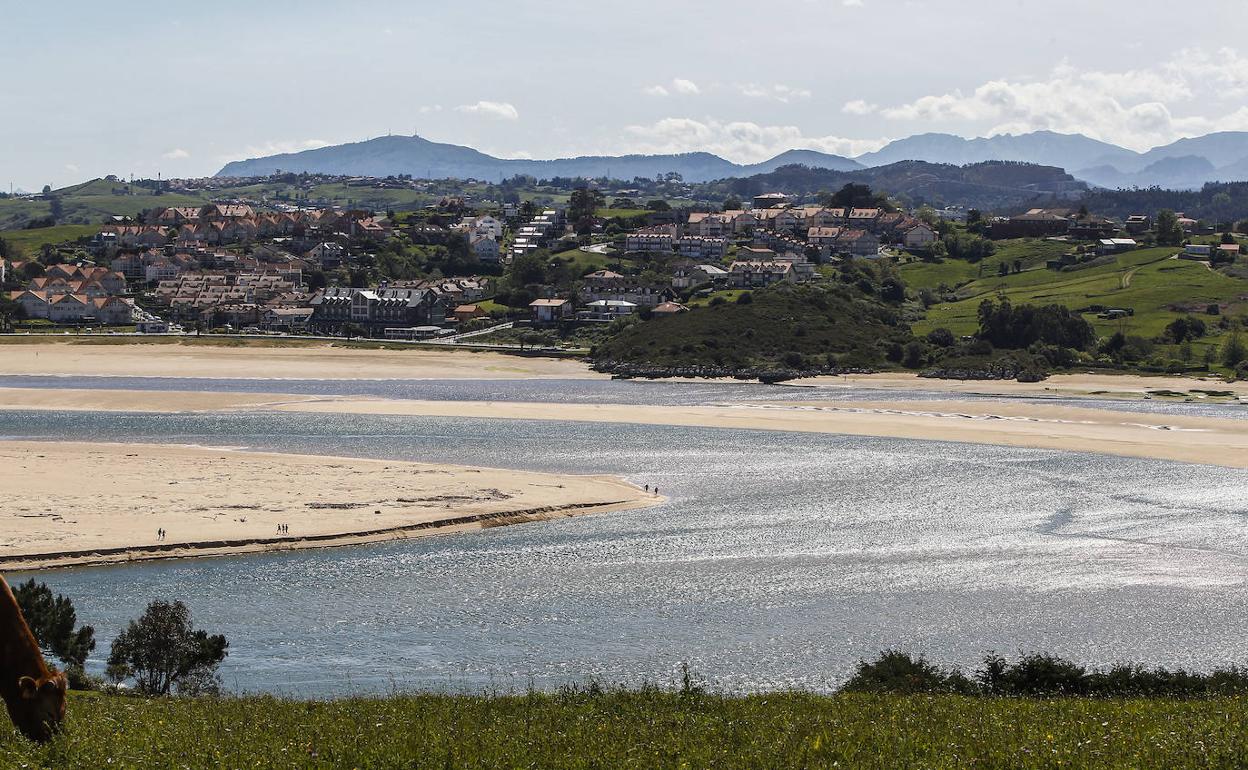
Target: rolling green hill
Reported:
point(1152, 282)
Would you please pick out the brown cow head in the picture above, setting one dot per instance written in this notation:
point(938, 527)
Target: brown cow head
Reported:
point(40, 709)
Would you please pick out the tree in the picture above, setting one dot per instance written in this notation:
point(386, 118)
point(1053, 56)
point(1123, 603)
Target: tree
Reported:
point(52, 620)
point(162, 651)
point(32, 270)
point(1016, 328)
point(584, 203)
point(57, 208)
point(1234, 352)
point(527, 269)
point(658, 204)
point(9, 310)
point(732, 203)
point(317, 280)
point(1169, 231)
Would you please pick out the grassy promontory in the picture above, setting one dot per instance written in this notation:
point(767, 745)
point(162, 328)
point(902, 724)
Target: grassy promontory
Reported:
point(642, 729)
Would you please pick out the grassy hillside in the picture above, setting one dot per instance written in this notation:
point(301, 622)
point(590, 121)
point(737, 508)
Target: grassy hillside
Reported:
point(90, 203)
point(782, 327)
point(31, 241)
point(952, 273)
point(1149, 281)
point(648, 729)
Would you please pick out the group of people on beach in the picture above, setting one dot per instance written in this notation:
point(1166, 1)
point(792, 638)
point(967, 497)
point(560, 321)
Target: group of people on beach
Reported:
point(656, 488)
point(283, 529)
point(160, 533)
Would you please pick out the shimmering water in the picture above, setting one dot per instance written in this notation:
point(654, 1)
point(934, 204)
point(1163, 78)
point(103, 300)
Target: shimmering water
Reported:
point(594, 392)
point(780, 560)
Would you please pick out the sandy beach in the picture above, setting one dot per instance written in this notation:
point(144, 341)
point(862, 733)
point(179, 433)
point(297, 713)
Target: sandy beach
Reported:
point(299, 361)
point(1078, 385)
point(71, 503)
point(323, 360)
point(1025, 423)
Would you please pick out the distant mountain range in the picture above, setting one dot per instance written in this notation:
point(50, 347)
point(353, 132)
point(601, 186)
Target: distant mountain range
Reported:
point(1185, 164)
point(392, 155)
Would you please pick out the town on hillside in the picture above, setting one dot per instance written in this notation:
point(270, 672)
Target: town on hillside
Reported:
point(560, 272)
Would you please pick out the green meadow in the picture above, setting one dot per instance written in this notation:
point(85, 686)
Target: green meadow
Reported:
point(1158, 287)
point(649, 728)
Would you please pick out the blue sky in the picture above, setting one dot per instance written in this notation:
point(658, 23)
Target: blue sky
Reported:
point(181, 88)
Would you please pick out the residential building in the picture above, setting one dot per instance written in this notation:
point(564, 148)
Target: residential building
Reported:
point(649, 242)
point(701, 247)
point(604, 310)
point(859, 243)
point(1115, 245)
point(375, 309)
point(485, 248)
point(691, 276)
point(547, 312)
point(920, 236)
point(750, 275)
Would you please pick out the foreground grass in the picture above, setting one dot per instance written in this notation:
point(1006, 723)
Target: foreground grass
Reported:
point(648, 729)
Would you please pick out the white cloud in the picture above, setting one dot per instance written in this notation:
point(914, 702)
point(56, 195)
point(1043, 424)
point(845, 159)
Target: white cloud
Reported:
point(176, 153)
point(779, 92)
point(852, 3)
point(739, 141)
point(677, 86)
point(859, 107)
point(1139, 109)
point(429, 109)
point(71, 168)
point(682, 86)
point(499, 110)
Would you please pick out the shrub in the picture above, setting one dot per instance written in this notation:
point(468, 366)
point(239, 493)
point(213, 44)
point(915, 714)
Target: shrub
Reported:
point(899, 673)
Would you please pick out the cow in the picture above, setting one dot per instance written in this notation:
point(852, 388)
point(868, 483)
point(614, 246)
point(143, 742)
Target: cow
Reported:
point(33, 693)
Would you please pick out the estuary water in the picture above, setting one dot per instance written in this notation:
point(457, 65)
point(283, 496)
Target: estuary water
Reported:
point(779, 561)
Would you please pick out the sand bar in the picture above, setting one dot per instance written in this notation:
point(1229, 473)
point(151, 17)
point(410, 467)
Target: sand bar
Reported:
point(69, 503)
point(291, 361)
point(1064, 385)
point(1024, 423)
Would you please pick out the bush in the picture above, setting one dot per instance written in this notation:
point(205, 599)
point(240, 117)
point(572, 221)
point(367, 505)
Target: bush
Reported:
point(941, 337)
point(745, 298)
point(899, 673)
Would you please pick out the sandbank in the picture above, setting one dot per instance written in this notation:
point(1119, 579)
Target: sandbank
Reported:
point(1023, 423)
point(71, 503)
point(283, 361)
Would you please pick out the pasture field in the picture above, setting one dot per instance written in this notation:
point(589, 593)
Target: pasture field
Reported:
point(1158, 287)
point(650, 728)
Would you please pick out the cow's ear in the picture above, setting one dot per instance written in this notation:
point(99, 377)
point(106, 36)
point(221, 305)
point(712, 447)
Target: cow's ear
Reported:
point(27, 687)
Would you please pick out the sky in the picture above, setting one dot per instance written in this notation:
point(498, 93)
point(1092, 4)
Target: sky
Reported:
point(180, 89)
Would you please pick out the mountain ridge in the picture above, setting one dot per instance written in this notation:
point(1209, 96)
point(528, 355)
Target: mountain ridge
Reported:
point(1184, 164)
